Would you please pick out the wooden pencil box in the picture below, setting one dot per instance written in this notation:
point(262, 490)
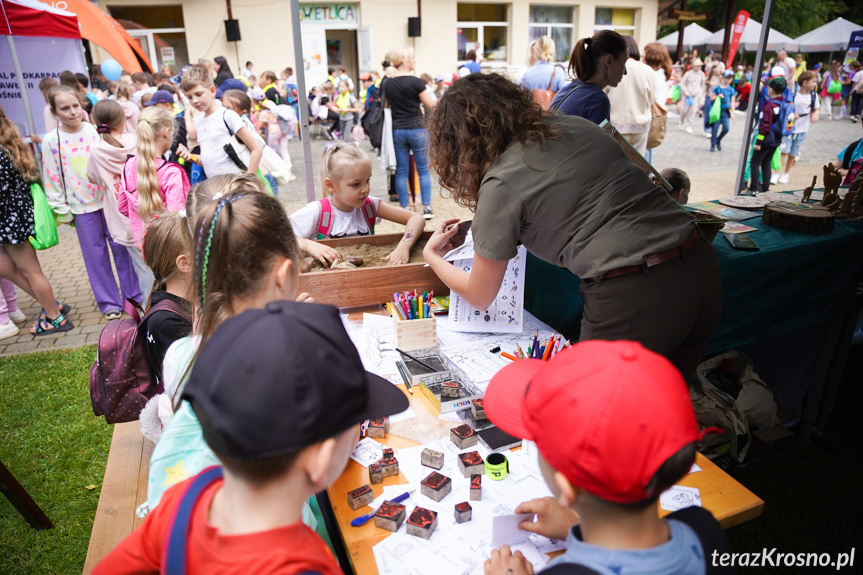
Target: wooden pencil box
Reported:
point(414, 334)
point(368, 286)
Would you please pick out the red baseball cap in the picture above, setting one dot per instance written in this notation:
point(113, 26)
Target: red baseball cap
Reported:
point(606, 414)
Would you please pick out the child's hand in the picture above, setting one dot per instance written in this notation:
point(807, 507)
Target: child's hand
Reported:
point(184, 152)
point(324, 254)
point(439, 242)
point(305, 298)
point(400, 255)
point(552, 519)
point(504, 562)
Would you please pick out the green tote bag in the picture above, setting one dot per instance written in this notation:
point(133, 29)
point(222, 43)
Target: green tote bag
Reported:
point(45, 229)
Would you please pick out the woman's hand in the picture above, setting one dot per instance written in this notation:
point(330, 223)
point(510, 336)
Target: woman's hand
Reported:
point(504, 562)
point(552, 519)
point(324, 254)
point(400, 255)
point(439, 242)
point(305, 298)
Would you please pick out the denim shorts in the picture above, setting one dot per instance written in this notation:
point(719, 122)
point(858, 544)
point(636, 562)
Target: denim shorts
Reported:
point(791, 144)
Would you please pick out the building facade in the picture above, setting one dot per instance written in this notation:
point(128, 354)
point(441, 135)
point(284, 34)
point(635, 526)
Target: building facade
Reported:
point(359, 34)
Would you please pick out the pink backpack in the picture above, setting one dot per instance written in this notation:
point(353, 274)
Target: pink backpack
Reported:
point(121, 380)
point(325, 222)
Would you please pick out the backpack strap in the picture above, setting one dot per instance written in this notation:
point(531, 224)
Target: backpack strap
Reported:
point(166, 305)
point(174, 559)
point(371, 214)
point(557, 106)
point(224, 119)
point(325, 221)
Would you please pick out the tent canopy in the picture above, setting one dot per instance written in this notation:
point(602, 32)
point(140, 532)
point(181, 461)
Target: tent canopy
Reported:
point(749, 40)
point(693, 35)
point(33, 18)
point(99, 28)
point(831, 37)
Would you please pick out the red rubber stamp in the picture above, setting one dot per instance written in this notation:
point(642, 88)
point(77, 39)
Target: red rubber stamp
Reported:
point(422, 522)
point(436, 486)
point(463, 512)
point(471, 463)
point(388, 452)
point(389, 467)
point(378, 427)
point(375, 474)
point(476, 487)
point(449, 389)
point(463, 436)
point(360, 497)
point(431, 458)
point(478, 410)
point(390, 515)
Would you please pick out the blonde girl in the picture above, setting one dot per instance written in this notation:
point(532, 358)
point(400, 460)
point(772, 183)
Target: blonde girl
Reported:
point(18, 261)
point(152, 185)
point(73, 197)
point(347, 209)
point(104, 168)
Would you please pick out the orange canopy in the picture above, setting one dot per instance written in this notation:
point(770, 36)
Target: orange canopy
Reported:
point(98, 27)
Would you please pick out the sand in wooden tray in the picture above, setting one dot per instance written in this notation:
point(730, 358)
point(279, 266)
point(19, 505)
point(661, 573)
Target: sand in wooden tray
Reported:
point(372, 254)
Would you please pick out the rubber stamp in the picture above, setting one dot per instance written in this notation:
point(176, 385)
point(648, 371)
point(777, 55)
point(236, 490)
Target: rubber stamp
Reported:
point(449, 389)
point(389, 467)
point(476, 487)
point(378, 427)
point(463, 436)
point(375, 474)
point(471, 463)
point(390, 515)
point(388, 452)
point(431, 458)
point(478, 410)
point(360, 497)
point(463, 512)
point(436, 486)
point(422, 522)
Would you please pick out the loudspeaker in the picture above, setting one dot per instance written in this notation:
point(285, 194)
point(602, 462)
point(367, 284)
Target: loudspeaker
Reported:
point(414, 27)
point(232, 30)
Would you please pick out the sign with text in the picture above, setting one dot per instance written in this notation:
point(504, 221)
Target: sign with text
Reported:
point(737, 32)
point(338, 15)
point(689, 15)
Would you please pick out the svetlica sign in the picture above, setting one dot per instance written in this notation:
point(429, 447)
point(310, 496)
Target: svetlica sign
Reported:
point(343, 14)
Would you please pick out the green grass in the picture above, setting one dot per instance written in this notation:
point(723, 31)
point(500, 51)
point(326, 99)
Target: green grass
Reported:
point(54, 445)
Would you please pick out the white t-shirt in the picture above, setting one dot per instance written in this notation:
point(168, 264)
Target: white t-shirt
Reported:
point(352, 223)
point(213, 134)
point(790, 66)
point(803, 110)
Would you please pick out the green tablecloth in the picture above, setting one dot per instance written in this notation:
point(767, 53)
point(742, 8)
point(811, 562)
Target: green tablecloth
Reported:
point(794, 281)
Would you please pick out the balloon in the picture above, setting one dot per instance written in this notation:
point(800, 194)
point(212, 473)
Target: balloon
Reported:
point(112, 70)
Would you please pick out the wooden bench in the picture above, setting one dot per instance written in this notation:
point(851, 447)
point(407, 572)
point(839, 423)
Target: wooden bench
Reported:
point(124, 488)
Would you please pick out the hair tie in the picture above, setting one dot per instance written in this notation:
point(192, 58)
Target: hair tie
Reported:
point(157, 277)
point(103, 129)
point(588, 42)
point(182, 213)
point(144, 120)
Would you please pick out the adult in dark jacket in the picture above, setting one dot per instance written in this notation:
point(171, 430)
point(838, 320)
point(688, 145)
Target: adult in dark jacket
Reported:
point(223, 70)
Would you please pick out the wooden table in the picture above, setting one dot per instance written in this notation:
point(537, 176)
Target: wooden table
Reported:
point(729, 501)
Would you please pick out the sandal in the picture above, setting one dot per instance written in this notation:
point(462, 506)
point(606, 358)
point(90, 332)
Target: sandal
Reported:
point(64, 310)
point(58, 325)
point(113, 315)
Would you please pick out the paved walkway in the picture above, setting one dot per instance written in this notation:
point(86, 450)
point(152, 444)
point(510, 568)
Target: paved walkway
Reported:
point(712, 176)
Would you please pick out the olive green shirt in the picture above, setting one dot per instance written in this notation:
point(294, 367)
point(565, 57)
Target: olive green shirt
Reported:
point(577, 202)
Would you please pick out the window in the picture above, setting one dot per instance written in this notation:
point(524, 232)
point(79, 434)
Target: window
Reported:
point(621, 20)
point(483, 25)
point(555, 22)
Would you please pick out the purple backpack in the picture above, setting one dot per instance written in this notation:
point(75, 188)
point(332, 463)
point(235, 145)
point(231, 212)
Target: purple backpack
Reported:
point(121, 380)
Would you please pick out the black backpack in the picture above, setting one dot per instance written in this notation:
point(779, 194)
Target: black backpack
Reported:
point(373, 119)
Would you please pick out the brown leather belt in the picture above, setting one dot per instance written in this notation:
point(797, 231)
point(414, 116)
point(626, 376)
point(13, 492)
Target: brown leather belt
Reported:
point(652, 260)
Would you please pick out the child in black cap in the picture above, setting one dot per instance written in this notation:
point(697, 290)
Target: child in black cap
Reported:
point(282, 435)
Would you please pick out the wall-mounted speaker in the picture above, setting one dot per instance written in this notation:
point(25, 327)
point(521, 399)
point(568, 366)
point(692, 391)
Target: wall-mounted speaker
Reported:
point(414, 27)
point(232, 30)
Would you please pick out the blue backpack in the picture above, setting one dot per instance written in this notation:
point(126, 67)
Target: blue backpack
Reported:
point(787, 115)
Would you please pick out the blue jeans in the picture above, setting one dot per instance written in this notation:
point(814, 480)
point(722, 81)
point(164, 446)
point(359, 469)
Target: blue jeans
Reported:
point(724, 118)
point(404, 141)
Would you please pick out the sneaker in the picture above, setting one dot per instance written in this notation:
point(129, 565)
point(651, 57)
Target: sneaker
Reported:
point(774, 178)
point(427, 213)
point(712, 148)
point(708, 134)
point(8, 330)
point(783, 179)
point(854, 119)
point(688, 129)
point(719, 146)
point(18, 316)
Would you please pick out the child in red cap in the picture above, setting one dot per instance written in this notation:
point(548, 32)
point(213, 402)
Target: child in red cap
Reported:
point(615, 428)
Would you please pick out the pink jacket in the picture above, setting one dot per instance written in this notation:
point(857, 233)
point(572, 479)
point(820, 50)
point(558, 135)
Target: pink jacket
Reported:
point(104, 166)
point(173, 187)
point(132, 115)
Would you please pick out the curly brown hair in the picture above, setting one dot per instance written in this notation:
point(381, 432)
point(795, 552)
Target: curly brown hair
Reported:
point(476, 120)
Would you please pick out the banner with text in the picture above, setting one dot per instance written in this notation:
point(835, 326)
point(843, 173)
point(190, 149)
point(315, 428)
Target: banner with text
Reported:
point(739, 24)
point(38, 58)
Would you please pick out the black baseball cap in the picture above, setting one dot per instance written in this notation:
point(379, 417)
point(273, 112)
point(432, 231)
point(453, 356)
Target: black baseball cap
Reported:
point(273, 381)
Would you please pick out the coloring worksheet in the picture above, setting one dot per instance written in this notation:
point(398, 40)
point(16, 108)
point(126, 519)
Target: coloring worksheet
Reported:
point(506, 313)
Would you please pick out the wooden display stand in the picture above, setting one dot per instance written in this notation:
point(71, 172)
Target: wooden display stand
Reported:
point(369, 285)
point(415, 333)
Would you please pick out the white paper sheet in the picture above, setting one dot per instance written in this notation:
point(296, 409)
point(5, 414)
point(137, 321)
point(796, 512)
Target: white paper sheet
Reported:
point(375, 342)
point(504, 529)
point(367, 451)
point(505, 314)
point(679, 497)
